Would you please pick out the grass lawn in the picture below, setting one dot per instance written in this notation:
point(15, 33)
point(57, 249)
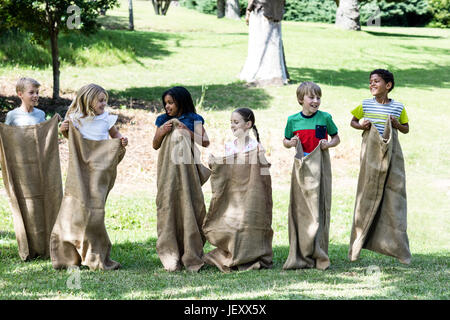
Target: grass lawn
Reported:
point(199, 51)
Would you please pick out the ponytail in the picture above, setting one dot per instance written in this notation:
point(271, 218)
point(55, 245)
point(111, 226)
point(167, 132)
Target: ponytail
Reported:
point(255, 131)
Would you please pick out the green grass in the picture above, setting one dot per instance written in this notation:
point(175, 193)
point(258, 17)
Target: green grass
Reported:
point(192, 49)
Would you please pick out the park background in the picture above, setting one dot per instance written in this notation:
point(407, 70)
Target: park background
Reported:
point(205, 54)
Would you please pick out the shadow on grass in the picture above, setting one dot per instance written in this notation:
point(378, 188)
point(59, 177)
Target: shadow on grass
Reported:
point(123, 45)
point(142, 276)
point(217, 97)
point(401, 35)
point(424, 78)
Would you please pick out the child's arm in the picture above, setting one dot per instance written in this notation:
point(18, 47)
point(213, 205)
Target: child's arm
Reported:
point(289, 143)
point(335, 140)
point(160, 134)
point(64, 128)
point(115, 134)
point(199, 135)
point(365, 125)
point(403, 128)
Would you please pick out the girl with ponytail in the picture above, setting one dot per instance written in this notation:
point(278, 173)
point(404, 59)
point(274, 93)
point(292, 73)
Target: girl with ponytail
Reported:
point(242, 120)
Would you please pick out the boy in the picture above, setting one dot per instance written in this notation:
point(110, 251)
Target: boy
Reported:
point(310, 195)
point(379, 108)
point(28, 91)
point(310, 127)
point(380, 214)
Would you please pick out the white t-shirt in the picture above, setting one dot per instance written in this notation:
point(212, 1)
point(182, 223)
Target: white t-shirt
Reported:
point(94, 128)
point(231, 147)
point(18, 117)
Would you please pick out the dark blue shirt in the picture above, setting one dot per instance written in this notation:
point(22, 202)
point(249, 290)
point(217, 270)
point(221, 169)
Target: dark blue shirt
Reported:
point(187, 118)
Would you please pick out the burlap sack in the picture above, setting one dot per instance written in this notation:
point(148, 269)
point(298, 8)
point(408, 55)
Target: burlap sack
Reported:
point(79, 236)
point(379, 220)
point(240, 214)
point(32, 176)
point(180, 203)
point(309, 211)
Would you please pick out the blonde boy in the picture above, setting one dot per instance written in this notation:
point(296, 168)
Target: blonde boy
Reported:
point(28, 91)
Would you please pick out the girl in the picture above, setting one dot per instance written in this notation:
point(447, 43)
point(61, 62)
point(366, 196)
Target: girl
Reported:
point(88, 115)
point(177, 103)
point(242, 120)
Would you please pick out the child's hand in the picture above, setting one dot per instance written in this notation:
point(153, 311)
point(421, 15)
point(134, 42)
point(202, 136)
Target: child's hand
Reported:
point(294, 141)
point(394, 122)
point(64, 125)
point(366, 125)
point(324, 145)
point(166, 128)
point(124, 141)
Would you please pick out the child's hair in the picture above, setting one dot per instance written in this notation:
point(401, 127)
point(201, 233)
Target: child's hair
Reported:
point(23, 82)
point(248, 115)
point(83, 104)
point(308, 87)
point(182, 98)
point(386, 75)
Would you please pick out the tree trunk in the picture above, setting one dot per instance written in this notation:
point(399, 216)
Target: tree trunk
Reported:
point(347, 15)
point(232, 10)
point(157, 7)
point(165, 7)
point(55, 63)
point(220, 8)
point(131, 18)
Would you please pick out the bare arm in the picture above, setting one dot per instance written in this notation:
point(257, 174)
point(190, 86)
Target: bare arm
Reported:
point(335, 140)
point(403, 128)
point(289, 143)
point(365, 125)
point(160, 134)
point(115, 134)
point(64, 128)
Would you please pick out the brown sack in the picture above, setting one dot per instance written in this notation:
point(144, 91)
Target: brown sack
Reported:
point(32, 176)
point(180, 203)
point(79, 236)
point(240, 214)
point(379, 220)
point(309, 211)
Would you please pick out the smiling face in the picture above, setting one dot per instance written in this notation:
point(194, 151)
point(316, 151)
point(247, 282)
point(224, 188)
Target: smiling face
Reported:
point(378, 86)
point(239, 126)
point(171, 106)
point(100, 104)
point(310, 103)
point(29, 96)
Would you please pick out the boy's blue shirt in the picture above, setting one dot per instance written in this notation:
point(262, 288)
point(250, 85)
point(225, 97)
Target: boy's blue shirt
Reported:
point(187, 119)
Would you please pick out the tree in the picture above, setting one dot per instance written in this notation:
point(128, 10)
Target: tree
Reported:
point(265, 63)
point(161, 6)
point(220, 8)
point(45, 19)
point(347, 14)
point(130, 14)
point(232, 10)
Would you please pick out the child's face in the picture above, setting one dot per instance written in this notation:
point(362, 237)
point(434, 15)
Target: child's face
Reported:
point(378, 87)
point(171, 107)
point(310, 103)
point(100, 104)
point(239, 126)
point(29, 96)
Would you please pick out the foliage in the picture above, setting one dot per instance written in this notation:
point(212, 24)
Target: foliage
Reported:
point(209, 6)
point(441, 13)
point(310, 10)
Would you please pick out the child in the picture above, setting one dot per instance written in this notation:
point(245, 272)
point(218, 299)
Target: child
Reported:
point(242, 120)
point(177, 103)
point(379, 219)
point(87, 113)
point(79, 236)
point(179, 200)
point(28, 91)
point(310, 197)
point(311, 126)
point(380, 107)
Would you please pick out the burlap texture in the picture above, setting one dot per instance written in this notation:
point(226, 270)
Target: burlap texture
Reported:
point(309, 211)
point(379, 220)
point(79, 236)
point(32, 177)
point(180, 203)
point(240, 214)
